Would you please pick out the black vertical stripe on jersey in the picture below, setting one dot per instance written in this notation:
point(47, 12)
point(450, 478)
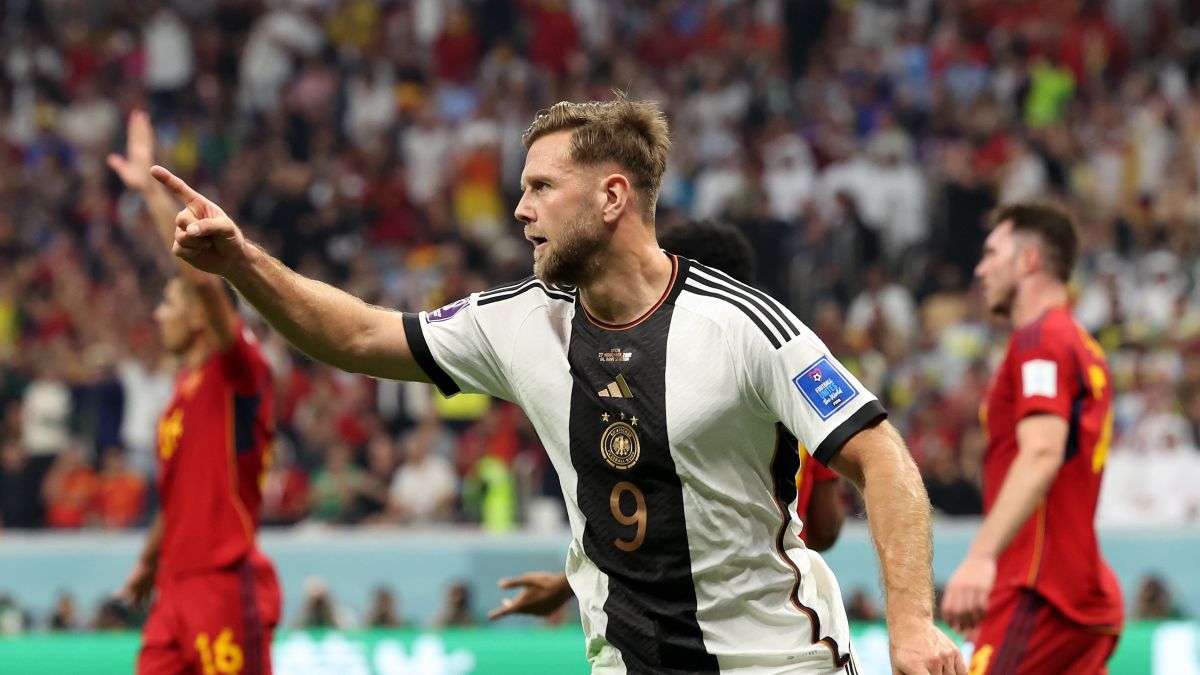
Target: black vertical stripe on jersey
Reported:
point(1016, 638)
point(245, 418)
point(651, 605)
point(1075, 423)
point(785, 466)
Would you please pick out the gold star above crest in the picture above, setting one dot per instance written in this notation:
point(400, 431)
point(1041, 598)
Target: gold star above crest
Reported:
point(604, 417)
point(633, 420)
point(622, 416)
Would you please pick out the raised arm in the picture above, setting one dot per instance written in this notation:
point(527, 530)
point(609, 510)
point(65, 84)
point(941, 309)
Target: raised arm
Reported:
point(878, 462)
point(134, 171)
point(327, 324)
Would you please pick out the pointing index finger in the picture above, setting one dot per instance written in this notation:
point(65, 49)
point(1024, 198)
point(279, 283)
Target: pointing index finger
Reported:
point(176, 185)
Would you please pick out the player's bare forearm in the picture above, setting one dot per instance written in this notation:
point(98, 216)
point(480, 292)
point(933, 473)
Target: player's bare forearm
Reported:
point(328, 324)
point(1041, 443)
point(153, 543)
point(218, 307)
point(325, 323)
point(898, 514)
point(162, 209)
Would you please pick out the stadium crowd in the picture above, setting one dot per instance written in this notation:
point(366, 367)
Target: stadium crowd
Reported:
point(376, 145)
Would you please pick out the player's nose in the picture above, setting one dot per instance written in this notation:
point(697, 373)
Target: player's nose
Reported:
point(524, 212)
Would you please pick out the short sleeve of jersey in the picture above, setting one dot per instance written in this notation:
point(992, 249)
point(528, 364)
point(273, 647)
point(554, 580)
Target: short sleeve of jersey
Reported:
point(242, 362)
point(1045, 378)
point(458, 351)
point(814, 396)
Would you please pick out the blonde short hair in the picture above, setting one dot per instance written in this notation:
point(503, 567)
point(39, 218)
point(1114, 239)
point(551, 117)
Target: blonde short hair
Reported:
point(632, 134)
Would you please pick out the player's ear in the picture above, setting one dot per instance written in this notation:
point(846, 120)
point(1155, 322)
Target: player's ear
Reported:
point(618, 195)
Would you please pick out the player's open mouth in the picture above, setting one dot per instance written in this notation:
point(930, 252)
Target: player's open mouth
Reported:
point(538, 242)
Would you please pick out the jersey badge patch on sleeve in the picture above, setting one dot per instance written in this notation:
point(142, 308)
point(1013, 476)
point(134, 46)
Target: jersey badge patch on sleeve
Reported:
point(1039, 377)
point(825, 388)
point(447, 311)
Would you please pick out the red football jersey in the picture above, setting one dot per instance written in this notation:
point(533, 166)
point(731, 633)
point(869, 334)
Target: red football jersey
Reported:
point(213, 440)
point(811, 472)
point(1054, 367)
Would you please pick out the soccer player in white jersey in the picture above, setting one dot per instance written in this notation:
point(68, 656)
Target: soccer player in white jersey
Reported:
point(659, 389)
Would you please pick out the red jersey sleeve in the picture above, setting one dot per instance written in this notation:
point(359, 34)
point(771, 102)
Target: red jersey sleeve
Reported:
point(242, 362)
point(820, 472)
point(1045, 375)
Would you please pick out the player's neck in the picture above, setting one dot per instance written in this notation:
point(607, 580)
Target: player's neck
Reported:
point(1037, 297)
point(197, 353)
point(632, 282)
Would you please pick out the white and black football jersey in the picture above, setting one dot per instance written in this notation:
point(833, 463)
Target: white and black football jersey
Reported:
point(669, 435)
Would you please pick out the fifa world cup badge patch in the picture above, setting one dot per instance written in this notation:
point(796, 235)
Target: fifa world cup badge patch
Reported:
point(825, 388)
point(444, 313)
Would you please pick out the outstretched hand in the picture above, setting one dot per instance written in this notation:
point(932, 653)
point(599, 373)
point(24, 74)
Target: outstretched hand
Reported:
point(542, 594)
point(205, 237)
point(964, 603)
point(134, 168)
point(137, 588)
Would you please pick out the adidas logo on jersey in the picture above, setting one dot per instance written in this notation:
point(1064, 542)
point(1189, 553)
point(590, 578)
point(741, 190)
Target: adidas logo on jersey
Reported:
point(618, 388)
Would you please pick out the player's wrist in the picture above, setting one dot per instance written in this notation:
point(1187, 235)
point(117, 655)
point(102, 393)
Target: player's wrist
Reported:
point(242, 267)
point(901, 624)
point(982, 551)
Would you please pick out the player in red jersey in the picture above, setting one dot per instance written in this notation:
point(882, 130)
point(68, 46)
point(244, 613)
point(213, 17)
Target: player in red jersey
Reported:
point(1033, 584)
point(818, 504)
point(218, 597)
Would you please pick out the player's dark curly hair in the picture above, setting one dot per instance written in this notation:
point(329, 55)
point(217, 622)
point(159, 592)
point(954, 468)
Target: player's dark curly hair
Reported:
point(1053, 225)
point(712, 243)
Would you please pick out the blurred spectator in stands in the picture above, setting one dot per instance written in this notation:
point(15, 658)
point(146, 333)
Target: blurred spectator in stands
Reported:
point(336, 487)
point(285, 496)
point(46, 409)
point(98, 400)
point(425, 486)
point(121, 494)
point(456, 609)
point(553, 38)
point(320, 610)
point(147, 388)
point(374, 496)
point(13, 621)
point(20, 498)
point(65, 616)
point(1154, 601)
point(950, 492)
point(861, 607)
point(488, 491)
point(883, 312)
point(170, 61)
point(456, 50)
point(281, 35)
point(384, 611)
point(112, 615)
point(69, 491)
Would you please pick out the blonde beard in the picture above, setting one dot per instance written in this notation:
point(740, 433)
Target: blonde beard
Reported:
point(572, 260)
